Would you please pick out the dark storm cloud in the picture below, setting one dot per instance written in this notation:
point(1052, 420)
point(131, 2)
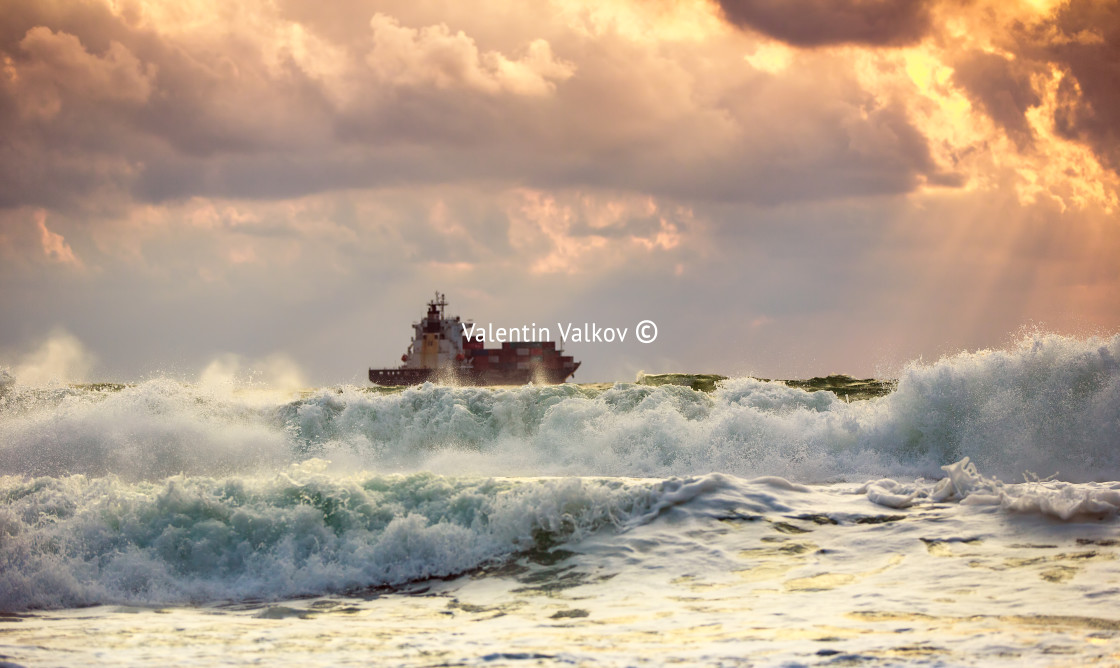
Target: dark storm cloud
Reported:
point(92, 20)
point(1083, 40)
point(1002, 88)
point(94, 109)
point(62, 110)
point(1080, 40)
point(810, 23)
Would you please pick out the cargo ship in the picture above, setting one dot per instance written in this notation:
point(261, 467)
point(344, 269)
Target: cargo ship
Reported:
point(441, 352)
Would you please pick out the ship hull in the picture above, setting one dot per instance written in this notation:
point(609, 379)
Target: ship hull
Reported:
point(405, 376)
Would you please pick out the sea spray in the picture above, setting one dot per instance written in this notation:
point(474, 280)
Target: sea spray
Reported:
point(215, 523)
point(1050, 405)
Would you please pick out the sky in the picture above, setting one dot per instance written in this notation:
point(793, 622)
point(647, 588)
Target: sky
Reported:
point(788, 188)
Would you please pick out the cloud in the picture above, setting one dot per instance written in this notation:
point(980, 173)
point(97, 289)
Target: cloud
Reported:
point(582, 232)
point(1003, 88)
point(56, 69)
point(1043, 75)
point(433, 56)
point(1005, 57)
point(249, 111)
point(1082, 40)
point(812, 23)
point(281, 176)
point(54, 245)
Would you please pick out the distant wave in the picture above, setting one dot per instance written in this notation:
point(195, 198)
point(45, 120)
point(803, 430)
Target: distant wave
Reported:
point(1048, 405)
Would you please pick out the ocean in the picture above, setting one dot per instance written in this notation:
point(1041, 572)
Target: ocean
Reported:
point(966, 517)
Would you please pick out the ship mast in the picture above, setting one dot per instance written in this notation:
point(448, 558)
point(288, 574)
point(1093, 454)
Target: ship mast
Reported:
point(441, 302)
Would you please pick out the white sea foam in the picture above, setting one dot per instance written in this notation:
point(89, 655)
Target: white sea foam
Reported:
point(155, 429)
point(73, 541)
point(1050, 405)
point(165, 491)
point(963, 483)
point(78, 540)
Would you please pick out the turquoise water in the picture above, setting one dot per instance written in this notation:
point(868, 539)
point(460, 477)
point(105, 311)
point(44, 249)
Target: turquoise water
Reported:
point(968, 516)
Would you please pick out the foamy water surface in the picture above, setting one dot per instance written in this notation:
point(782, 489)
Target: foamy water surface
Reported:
point(967, 517)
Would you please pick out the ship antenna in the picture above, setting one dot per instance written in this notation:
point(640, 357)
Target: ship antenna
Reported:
point(441, 301)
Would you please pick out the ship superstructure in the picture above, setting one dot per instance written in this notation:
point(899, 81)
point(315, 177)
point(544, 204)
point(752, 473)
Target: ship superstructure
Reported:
point(441, 351)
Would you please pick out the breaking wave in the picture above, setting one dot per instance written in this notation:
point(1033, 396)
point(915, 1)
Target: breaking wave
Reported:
point(73, 541)
point(170, 492)
point(1050, 405)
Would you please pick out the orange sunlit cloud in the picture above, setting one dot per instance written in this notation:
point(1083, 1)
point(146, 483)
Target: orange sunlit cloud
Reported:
point(54, 245)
